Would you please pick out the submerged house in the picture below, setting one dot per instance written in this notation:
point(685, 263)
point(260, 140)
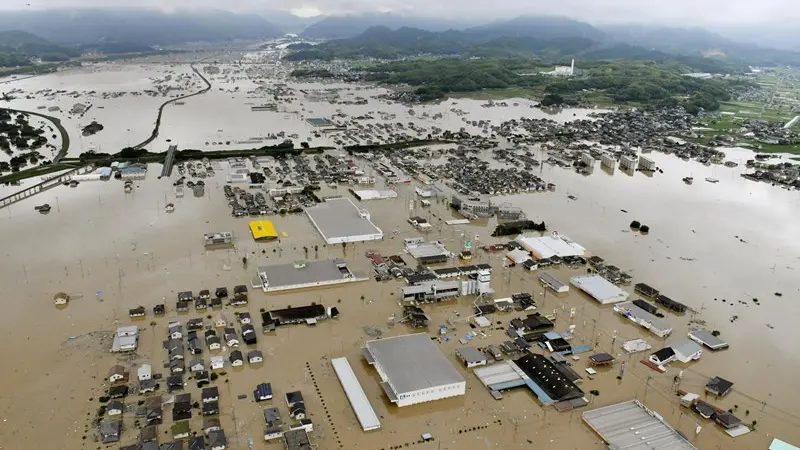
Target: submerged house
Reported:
point(236, 358)
point(273, 424)
point(719, 386)
point(110, 430)
point(263, 392)
point(255, 356)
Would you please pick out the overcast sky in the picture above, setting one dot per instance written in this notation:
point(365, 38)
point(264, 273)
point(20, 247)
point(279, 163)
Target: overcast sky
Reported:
point(690, 12)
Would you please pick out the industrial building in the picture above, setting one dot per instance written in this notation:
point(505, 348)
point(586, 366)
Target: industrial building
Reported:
point(599, 289)
point(437, 289)
point(305, 274)
point(413, 369)
point(428, 252)
point(263, 230)
point(566, 71)
point(373, 194)
point(299, 314)
point(537, 373)
point(607, 160)
point(355, 394)
point(632, 426)
point(553, 283)
point(541, 247)
point(637, 315)
point(647, 164)
point(627, 162)
point(339, 220)
point(472, 207)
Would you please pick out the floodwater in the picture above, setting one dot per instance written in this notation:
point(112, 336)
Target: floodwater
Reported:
point(734, 240)
point(222, 118)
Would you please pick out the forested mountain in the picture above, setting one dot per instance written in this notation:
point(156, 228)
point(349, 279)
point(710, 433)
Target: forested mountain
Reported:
point(553, 39)
point(17, 48)
point(349, 26)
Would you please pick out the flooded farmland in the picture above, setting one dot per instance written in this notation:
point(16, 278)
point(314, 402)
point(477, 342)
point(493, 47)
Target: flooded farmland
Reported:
point(713, 246)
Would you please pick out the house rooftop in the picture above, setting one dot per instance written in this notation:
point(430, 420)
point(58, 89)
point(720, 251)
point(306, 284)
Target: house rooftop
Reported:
point(470, 355)
point(719, 386)
point(217, 438)
point(707, 339)
point(297, 439)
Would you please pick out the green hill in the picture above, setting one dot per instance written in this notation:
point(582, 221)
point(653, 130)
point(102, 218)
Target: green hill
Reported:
point(18, 48)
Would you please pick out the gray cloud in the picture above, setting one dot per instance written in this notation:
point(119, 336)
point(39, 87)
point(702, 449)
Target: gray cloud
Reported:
point(689, 12)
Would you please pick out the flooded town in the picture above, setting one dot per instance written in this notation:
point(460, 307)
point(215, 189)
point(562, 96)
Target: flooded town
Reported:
point(237, 257)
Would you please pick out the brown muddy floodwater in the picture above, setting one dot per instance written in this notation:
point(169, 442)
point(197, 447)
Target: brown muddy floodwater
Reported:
point(735, 240)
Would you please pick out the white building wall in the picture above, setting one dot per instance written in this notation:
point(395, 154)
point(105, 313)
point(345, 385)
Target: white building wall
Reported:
point(432, 394)
point(646, 163)
point(608, 161)
point(627, 162)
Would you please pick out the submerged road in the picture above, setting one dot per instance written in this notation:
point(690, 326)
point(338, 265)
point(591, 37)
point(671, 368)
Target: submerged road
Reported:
point(154, 134)
point(33, 190)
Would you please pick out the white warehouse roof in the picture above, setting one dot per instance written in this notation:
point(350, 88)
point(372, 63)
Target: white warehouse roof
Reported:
point(549, 246)
point(412, 362)
point(355, 393)
point(599, 288)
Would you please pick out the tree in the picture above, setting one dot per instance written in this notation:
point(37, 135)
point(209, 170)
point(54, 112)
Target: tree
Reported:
point(644, 229)
point(635, 225)
point(552, 99)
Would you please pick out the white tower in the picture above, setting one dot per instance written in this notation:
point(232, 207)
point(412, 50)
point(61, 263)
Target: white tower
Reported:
point(484, 282)
point(572, 67)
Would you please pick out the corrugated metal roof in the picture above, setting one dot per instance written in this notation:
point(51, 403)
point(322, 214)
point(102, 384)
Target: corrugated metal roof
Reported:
point(355, 394)
point(631, 426)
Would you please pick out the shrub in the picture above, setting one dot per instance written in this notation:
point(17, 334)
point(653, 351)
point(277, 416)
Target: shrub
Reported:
point(635, 224)
point(644, 229)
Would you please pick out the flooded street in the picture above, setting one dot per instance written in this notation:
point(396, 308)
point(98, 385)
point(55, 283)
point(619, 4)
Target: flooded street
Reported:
point(714, 247)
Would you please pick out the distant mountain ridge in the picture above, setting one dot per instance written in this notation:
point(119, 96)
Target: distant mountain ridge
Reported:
point(17, 48)
point(140, 26)
point(349, 26)
point(556, 37)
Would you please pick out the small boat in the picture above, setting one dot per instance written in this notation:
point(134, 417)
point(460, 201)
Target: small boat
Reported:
point(712, 180)
point(169, 208)
point(688, 180)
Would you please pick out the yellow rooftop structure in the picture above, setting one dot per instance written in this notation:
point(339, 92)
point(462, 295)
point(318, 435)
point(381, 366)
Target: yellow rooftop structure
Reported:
point(263, 230)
